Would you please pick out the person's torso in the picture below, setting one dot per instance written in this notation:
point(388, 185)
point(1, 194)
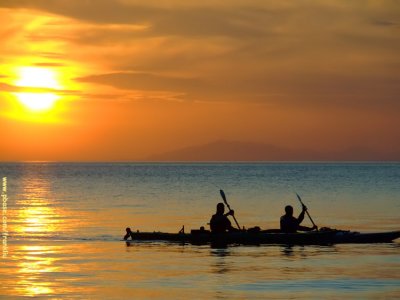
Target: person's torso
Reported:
point(289, 224)
point(219, 223)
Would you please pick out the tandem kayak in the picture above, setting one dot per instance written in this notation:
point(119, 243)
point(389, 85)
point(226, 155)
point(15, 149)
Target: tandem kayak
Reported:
point(198, 237)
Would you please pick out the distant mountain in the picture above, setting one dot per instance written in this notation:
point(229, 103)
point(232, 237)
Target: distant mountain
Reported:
point(223, 150)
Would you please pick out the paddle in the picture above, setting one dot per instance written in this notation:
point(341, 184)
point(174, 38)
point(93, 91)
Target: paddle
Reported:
point(226, 203)
point(298, 197)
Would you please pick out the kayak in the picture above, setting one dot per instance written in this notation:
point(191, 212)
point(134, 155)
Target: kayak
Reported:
point(200, 237)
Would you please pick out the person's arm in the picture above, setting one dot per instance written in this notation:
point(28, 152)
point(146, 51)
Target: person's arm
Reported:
point(304, 228)
point(301, 216)
point(128, 234)
point(229, 226)
point(230, 213)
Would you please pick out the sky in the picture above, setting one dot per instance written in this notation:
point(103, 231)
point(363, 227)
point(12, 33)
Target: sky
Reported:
point(121, 80)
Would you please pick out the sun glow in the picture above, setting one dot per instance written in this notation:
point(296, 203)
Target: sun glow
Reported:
point(37, 101)
point(37, 78)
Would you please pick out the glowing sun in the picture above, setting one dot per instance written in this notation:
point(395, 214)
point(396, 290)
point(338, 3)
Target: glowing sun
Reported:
point(40, 78)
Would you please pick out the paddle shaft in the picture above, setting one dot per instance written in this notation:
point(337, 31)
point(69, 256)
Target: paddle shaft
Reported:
point(226, 203)
point(298, 197)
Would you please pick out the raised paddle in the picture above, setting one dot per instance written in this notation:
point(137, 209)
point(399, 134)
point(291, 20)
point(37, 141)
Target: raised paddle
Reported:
point(226, 203)
point(298, 197)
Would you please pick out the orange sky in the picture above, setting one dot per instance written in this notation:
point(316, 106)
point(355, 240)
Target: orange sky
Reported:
point(124, 79)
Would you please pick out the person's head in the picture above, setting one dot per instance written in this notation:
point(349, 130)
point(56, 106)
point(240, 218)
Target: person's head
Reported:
point(220, 208)
point(289, 210)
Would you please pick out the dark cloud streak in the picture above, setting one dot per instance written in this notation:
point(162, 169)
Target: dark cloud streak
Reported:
point(143, 81)
point(234, 21)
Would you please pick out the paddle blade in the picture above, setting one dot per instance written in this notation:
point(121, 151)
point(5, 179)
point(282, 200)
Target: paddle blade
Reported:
point(222, 195)
point(298, 197)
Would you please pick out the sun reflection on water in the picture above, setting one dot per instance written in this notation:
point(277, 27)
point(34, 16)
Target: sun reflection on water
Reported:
point(34, 263)
point(37, 218)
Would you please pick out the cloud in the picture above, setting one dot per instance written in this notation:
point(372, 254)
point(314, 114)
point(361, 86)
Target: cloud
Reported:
point(315, 90)
point(49, 64)
point(338, 52)
point(142, 81)
point(174, 19)
point(51, 55)
point(9, 88)
point(384, 23)
point(236, 19)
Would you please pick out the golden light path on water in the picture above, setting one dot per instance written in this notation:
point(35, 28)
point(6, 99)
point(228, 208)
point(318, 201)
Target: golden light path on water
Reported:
point(37, 218)
point(33, 264)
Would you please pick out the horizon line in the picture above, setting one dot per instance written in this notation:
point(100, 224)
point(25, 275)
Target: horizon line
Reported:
point(195, 161)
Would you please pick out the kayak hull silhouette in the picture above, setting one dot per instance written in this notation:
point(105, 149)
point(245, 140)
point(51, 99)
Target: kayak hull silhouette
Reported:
point(268, 237)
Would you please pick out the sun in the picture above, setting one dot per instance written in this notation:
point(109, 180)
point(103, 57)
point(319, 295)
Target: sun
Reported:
point(37, 78)
point(37, 101)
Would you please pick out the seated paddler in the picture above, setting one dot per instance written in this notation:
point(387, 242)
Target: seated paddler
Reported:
point(290, 224)
point(219, 222)
point(128, 234)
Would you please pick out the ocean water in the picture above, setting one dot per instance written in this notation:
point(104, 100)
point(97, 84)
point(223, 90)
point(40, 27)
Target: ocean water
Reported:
point(62, 225)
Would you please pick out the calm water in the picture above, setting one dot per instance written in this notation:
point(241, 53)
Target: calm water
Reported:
point(62, 226)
